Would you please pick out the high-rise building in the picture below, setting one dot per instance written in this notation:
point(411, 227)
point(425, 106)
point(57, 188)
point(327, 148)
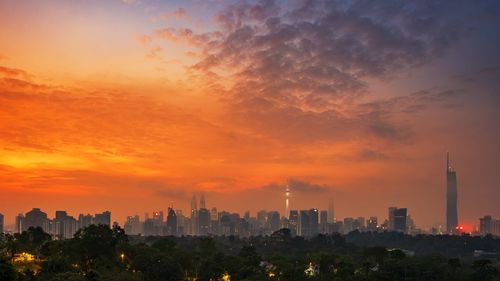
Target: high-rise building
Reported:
point(214, 221)
point(331, 211)
point(293, 221)
point(203, 221)
point(148, 227)
point(308, 223)
point(103, 218)
point(274, 220)
point(262, 219)
point(359, 224)
point(400, 219)
point(489, 225)
point(202, 201)
point(451, 198)
point(314, 219)
point(36, 218)
point(85, 220)
point(287, 201)
point(19, 223)
point(171, 222)
point(304, 224)
point(323, 222)
point(372, 224)
point(182, 221)
point(390, 225)
point(64, 226)
point(348, 225)
point(158, 221)
point(132, 225)
point(194, 216)
point(1, 223)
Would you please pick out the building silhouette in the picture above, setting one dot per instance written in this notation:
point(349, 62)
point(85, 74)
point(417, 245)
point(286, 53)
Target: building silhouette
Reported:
point(171, 222)
point(331, 211)
point(372, 224)
point(103, 218)
point(451, 198)
point(400, 215)
point(293, 221)
point(36, 218)
point(203, 221)
point(489, 225)
point(323, 222)
point(273, 218)
point(1, 223)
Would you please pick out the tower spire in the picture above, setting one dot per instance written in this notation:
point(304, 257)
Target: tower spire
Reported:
point(447, 161)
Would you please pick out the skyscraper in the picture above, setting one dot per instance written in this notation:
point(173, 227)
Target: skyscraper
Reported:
point(194, 216)
point(202, 201)
point(372, 224)
point(203, 221)
point(331, 211)
point(1, 223)
point(36, 218)
point(19, 223)
point(390, 226)
point(273, 219)
point(323, 222)
point(451, 197)
point(400, 215)
point(103, 218)
point(287, 202)
point(293, 220)
point(171, 222)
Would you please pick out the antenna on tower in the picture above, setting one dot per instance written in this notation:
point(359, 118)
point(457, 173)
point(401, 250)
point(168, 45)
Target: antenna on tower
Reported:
point(448, 168)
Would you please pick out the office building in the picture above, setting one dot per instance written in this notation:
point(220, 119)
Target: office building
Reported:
point(36, 218)
point(451, 198)
point(372, 224)
point(489, 225)
point(274, 221)
point(293, 221)
point(172, 222)
point(203, 221)
point(103, 218)
point(323, 222)
point(400, 215)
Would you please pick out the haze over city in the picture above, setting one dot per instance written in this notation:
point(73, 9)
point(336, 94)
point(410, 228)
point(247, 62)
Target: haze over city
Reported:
point(133, 106)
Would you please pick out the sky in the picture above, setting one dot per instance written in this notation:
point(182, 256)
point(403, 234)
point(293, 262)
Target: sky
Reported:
point(133, 106)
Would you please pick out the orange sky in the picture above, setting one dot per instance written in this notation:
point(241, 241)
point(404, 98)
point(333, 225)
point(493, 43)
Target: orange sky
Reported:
point(129, 106)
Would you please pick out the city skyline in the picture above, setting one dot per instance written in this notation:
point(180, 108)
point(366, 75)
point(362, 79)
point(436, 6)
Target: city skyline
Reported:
point(451, 224)
point(200, 218)
point(134, 106)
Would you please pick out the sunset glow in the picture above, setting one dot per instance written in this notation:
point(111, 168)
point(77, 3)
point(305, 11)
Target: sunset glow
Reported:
point(129, 106)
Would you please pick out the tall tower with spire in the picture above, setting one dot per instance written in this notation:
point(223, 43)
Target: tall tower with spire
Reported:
point(451, 197)
point(287, 201)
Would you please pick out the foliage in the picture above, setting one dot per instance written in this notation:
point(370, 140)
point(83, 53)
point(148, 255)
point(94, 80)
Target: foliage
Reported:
point(98, 253)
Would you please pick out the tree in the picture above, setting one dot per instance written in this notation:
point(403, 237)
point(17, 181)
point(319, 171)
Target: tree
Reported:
point(7, 272)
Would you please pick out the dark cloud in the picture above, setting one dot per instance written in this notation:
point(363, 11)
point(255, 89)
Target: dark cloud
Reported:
point(369, 154)
point(297, 185)
point(298, 69)
point(326, 49)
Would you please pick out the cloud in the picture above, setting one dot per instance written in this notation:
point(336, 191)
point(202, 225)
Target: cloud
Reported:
point(8, 72)
point(301, 70)
point(130, 1)
point(312, 53)
point(301, 186)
